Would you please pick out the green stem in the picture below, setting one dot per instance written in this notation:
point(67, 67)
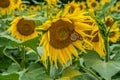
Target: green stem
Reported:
point(91, 72)
point(48, 67)
point(23, 57)
point(107, 49)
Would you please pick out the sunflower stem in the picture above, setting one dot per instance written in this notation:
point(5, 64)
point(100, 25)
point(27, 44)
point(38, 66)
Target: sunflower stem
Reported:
point(23, 57)
point(106, 39)
point(107, 49)
point(48, 67)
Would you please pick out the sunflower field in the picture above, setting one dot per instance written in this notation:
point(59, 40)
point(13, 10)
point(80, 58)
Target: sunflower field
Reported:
point(59, 39)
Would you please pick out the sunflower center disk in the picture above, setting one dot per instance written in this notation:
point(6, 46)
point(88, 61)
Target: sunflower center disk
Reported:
point(81, 7)
point(96, 38)
point(118, 7)
point(108, 22)
point(25, 27)
point(4, 3)
point(93, 4)
point(112, 34)
point(63, 34)
point(72, 9)
point(60, 32)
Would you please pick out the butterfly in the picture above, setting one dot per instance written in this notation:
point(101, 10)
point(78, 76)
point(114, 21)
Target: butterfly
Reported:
point(75, 36)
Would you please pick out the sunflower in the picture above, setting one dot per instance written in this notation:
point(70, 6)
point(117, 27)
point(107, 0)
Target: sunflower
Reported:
point(109, 22)
point(93, 4)
point(117, 6)
point(98, 43)
point(51, 2)
point(62, 36)
point(23, 29)
point(23, 7)
point(82, 6)
point(112, 8)
point(71, 6)
point(6, 6)
point(114, 35)
point(97, 40)
point(38, 8)
point(114, 30)
point(17, 3)
point(32, 8)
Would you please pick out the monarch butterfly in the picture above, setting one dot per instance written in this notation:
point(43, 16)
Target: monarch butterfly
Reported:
point(75, 36)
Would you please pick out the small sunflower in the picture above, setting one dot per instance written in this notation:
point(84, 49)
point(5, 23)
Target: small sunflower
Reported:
point(109, 22)
point(32, 8)
point(38, 7)
point(114, 35)
point(23, 7)
point(114, 30)
point(82, 6)
point(117, 6)
point(23, 29)
point(61, 38)
point(17, 3)
point(6, 6)
point(51, 2)
point(93, 4)
point(71, 6)
point(112, 8)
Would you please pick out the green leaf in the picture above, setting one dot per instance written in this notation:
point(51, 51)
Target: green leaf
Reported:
point(37, 18)
point(64, 78)
point(90, 58)
point(31, 56)
point(32, 43)
point(6, 36)
point(35, 2)
point(34, 72)
point(10, 52)
point(34, 66)
point(70, 72)
point(108, 5)
point(4, 63)
point(52, 71)
point(116, 57)
point(13, 68)
point(40, 50)
point(116, 77)
point(115, 48)
point(116, 15)
point(1, 50)
point(26, 2)
point(107, 69)
point(3, 41)
point(101, 26)
point(9, 77)
point(84, 76)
